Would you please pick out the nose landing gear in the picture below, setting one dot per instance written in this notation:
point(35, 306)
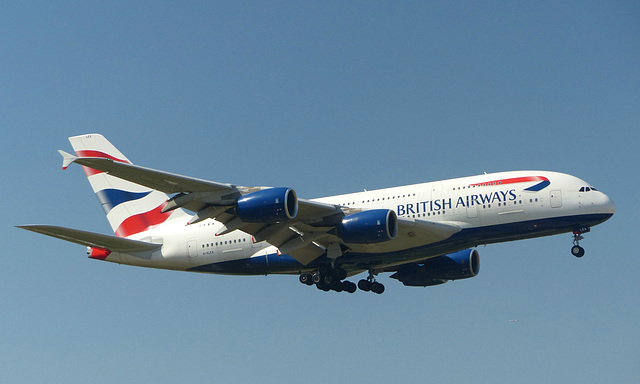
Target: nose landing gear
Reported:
point(577, 250)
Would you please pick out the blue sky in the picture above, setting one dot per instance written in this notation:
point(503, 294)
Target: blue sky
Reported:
point(327, 98)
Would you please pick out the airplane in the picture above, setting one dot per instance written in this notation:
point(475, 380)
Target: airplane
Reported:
point(424, 234)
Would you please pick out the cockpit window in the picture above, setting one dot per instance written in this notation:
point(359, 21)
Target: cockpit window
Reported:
point(587, 189)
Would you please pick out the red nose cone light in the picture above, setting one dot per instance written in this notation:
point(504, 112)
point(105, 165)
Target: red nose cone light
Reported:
point(98, 253)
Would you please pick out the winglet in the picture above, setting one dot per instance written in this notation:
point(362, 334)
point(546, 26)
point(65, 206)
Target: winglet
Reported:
point(67, 159)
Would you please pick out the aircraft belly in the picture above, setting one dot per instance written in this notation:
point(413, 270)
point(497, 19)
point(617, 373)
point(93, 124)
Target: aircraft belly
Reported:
point(256, 265)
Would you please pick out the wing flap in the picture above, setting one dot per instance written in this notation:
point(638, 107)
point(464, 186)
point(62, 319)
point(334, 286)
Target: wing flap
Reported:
point(306, 254)
point(92, 239)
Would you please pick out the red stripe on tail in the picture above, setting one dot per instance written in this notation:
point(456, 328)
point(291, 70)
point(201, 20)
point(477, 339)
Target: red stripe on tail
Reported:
point(143, 221)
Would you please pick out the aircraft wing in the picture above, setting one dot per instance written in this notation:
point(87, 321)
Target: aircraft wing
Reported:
point(91, 239)
point(194, 194)
point(305, 237)
point(159, 180)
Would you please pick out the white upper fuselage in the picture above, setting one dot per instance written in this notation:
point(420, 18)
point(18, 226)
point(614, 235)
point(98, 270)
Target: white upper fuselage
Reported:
point(488, 208)
point(485, 200)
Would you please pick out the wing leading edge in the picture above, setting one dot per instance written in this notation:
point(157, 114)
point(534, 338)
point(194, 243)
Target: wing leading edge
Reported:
point(93, 240)
point(305, 237)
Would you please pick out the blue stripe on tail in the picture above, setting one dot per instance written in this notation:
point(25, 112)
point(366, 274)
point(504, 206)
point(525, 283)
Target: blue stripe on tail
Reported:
point(110, 198)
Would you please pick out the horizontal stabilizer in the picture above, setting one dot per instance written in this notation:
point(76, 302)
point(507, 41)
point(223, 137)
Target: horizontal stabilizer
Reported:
point(91, 239)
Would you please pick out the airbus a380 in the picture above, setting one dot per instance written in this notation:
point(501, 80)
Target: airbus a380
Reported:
point(425, 234)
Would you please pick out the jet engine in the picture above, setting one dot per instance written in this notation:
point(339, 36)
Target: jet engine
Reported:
point(268, 205)
point(440, 269)
point(372, 226)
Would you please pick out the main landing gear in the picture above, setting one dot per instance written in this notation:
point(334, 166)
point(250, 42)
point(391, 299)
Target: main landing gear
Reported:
point(329, 279)
point(577, 250)
point(370, 284)
point(333, 279)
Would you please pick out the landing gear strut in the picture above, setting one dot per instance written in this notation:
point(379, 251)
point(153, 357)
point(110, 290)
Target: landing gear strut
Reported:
point(577, 250)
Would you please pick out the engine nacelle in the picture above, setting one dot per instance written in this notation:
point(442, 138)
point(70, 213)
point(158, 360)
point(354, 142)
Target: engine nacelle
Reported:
point(268, 205)
point(372, 226)
point(438, 270)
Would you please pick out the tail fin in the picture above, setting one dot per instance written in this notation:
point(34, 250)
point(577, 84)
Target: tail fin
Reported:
point(130, 208)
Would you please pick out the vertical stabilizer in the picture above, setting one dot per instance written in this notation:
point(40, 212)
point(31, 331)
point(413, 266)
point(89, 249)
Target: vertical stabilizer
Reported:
point(130, 208)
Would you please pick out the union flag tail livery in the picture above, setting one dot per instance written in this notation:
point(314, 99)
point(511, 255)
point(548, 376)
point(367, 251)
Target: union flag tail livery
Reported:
point(424, 234)
point(130, 208)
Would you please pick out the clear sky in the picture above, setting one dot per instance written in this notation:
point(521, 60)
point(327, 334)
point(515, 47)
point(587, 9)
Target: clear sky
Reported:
point(325, 97)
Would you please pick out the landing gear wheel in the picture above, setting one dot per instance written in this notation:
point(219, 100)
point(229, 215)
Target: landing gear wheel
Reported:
point(339, 274)
point(377, 288)
point(370, 284)
point(324, 269)
point(306, 279)
point(364, 285)
point(348, 286)
point(577, 251)
point(323, 287)
point(329, 280)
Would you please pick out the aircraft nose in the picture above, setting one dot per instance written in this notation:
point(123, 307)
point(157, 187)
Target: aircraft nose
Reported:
point(606, 204)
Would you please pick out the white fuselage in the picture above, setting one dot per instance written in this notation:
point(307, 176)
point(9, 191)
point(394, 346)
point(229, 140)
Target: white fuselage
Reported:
point(489, 208)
